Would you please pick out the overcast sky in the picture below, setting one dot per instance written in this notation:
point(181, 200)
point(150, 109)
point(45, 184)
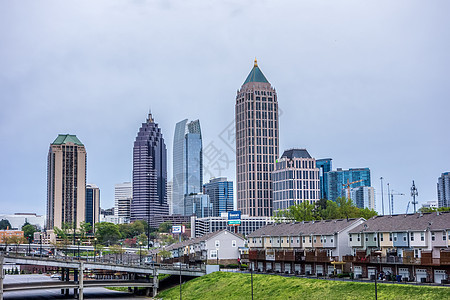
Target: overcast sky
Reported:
point(365, 83)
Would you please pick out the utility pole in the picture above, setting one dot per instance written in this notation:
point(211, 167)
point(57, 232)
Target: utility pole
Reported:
point(382, 198)
point(389, 197)
point(414, 193)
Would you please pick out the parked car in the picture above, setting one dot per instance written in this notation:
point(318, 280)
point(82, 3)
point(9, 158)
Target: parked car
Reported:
point(55, 276)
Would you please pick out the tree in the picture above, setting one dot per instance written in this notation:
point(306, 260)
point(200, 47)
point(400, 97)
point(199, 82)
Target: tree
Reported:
point(4, 224)
point(164, 254)
point(107, 233)
point(84, 228)
point(130, 242)
point(165, 227)
point(142, 239)
point(28, 231)
point(63, 234)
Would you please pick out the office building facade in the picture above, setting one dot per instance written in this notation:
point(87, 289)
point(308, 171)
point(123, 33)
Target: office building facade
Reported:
point(149, 175)
point(66, 182)
point(256, 117)
point(122, 190)
point(443, 190)
point(338, 180)
point(324, 165)
point(197, 205)
point(295, 179)
point(220, 192)
point(92, 205)
point(187, 163)
point(363, 197)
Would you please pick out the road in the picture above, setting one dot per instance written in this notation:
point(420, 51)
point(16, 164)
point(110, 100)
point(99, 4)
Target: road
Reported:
point(89, 293)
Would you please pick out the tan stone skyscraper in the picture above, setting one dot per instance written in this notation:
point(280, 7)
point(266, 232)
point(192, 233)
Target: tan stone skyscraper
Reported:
point(66, 182)
point(256, 117)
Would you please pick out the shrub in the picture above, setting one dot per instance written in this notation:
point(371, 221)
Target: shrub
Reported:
point(232, 266)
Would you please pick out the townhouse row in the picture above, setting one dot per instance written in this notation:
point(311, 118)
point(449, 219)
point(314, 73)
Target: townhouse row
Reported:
point(415, 246)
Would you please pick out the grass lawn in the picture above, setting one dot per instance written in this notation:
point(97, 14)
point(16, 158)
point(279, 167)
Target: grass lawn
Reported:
point(223, 285)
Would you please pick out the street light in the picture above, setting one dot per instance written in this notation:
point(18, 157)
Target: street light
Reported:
point(95, 248)
point(78, 249)
point(40, 241)
point(140, 253)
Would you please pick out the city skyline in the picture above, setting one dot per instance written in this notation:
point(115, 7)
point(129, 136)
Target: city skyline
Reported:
point(361, 83)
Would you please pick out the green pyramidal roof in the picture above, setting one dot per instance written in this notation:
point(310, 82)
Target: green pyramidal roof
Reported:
point(256, 75)
point(67, 138)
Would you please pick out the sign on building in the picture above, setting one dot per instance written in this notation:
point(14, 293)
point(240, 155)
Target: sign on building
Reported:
point(178, 229)
point(234, 218)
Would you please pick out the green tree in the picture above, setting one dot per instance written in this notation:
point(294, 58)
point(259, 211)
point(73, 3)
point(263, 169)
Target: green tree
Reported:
point(165, 227)
point(367, 213)
point(107, 233)
point(84, 229)
point(138, 227)
point(28, 231)
point(142, 238)
point(63, 234)
point(164, 254)
point(4, 224)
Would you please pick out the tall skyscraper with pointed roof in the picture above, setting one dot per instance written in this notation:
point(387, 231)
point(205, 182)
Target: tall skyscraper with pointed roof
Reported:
point(149, 175)
point(256, 117)
point(66, 182)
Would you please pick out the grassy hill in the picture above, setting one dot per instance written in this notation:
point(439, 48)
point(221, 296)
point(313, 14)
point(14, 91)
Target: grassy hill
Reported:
point(222, 285)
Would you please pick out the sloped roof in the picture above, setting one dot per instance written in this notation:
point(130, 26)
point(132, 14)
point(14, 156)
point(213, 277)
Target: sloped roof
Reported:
point(199, 239)
point(326, 227)
point(256, 75)
point(411, 222)
point(296, 153)
point(67, 138)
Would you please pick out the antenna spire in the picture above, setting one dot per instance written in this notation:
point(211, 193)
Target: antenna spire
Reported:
point(256, 62)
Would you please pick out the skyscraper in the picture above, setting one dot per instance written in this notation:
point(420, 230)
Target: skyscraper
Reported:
point(443, 189)
point(187, 164)
point(149, 175)
point(92, 204)
point(363, 197)
point(220, 192)
point(337, 179)
point(122, 191)
point(324, 166)
point(66, 182)
point(295, 179)
point(256, 117)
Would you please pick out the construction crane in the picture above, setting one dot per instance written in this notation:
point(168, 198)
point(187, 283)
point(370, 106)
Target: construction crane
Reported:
point(407, 207)
point(393, 193)
point(347, 186)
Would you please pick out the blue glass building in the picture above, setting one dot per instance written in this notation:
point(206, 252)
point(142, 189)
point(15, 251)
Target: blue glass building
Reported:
point(187, 164)
point(149, 175)
point(324, 166)
point(337, 179)
point(220, 192)
point(92, 209)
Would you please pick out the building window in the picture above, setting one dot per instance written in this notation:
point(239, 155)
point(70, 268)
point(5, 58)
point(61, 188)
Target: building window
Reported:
point(303, 239)
point(350, 236)
point(404, 238)
point(381, 237)
point(390, 237)
point(374, 238)
point(233, 243)
point(367, 238)
point(433, 236)
point(332, 240)
point(359, 237)
point(395, 237)
point(422, 236)
point(217, 243)
point(213, 254)
point(412, 236)
point(444, 236)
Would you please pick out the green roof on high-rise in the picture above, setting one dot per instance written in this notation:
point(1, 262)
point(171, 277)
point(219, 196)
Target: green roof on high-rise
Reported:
point(256, 75)
point(67, 138)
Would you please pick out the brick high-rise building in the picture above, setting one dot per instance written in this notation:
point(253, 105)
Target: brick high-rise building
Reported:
point(149, 175)
point(256, 117)
point(66, 182)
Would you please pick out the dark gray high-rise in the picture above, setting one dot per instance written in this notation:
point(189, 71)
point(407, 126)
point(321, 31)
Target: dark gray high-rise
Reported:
point(149, 175)
point(443, 189)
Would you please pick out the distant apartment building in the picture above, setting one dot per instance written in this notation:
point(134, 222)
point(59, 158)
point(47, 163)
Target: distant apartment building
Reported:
point(201, 226)
point(363, 197)
point(430, 204)
point(187, 164)
point(122, 191)
point(443, 190)
point(220, 192)
point(339, 179)
point(295, 179)
point(170, 196)
point(324, 165)
point(92, 204)
point(5, 235)
point(66, 182)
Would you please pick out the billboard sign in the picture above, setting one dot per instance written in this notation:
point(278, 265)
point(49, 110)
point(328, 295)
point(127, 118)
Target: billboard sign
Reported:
point(177, 229)
point(234, 218)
